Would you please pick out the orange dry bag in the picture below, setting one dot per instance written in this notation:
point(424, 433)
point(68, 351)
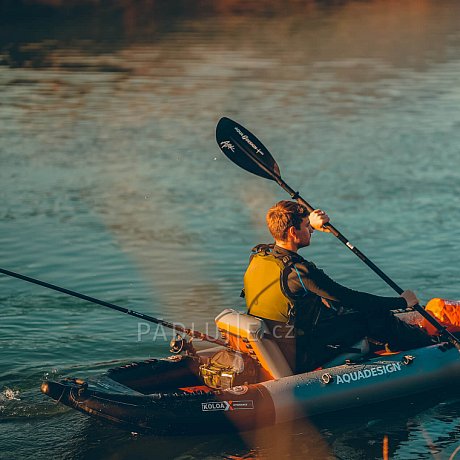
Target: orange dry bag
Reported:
point(447, 312)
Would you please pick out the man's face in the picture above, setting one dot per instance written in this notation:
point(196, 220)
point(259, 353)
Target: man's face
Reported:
point(304, 234)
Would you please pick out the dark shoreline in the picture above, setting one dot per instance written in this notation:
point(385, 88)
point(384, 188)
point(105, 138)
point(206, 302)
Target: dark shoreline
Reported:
point(10, 9)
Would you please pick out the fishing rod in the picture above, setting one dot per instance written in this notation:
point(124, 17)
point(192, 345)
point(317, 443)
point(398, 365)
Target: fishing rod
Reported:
point(245, 150)
point(190, 332)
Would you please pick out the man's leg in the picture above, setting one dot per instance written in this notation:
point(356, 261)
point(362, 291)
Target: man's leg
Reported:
point(331, 338)
point(385, 327)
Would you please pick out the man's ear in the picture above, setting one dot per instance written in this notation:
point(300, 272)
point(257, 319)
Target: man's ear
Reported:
point(292, 233)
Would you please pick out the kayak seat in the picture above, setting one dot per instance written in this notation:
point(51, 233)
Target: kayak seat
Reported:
point(249, 334)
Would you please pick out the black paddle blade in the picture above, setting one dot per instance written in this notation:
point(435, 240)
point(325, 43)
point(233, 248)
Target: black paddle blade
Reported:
point(245, 150)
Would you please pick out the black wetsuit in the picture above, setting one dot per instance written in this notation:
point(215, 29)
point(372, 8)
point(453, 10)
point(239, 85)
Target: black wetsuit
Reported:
point(328, 313)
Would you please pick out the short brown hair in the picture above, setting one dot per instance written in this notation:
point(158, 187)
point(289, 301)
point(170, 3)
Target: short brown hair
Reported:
point(283, 215)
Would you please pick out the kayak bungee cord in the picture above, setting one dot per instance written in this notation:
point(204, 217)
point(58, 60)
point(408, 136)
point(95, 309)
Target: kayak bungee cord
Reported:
point(190, 332)
point(245, 150)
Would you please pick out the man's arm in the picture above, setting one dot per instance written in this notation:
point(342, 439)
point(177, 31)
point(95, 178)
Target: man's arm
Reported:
point(307, 278)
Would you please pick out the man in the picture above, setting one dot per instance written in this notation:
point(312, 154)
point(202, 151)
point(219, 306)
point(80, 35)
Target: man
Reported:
point(312, 317)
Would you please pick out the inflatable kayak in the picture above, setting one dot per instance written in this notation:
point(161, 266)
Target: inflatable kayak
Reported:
point(249, 384)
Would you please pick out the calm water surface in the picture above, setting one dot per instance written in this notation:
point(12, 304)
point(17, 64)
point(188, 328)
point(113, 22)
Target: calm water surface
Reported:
point(112, 185)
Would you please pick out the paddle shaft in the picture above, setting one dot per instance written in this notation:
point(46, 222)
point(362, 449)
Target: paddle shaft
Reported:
point(295, 196)
point(176, 327)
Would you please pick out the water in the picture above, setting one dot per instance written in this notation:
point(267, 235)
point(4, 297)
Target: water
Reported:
point(112, 185)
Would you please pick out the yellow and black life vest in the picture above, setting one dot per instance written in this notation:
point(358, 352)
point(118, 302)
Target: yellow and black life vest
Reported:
point(265, 285)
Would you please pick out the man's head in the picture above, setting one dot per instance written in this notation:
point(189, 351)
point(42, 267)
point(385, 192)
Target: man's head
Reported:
point(288, 222)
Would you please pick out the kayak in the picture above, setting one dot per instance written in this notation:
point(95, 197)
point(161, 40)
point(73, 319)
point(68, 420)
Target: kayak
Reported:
point(249, 384)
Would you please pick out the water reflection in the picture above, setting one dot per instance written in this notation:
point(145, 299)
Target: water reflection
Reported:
point(404, 35)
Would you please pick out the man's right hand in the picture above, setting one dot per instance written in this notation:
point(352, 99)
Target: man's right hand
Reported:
point(410, 298)
point(317, 220)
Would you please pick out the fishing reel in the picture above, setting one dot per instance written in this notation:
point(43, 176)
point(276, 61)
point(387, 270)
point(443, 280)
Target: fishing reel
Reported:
point(179, 344)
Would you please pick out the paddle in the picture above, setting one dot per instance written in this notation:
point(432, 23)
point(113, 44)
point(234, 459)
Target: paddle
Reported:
point(244, 149)
point(176, 327)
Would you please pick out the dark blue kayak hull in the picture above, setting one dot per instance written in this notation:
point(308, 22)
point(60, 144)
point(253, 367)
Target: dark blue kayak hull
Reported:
point(167, 396)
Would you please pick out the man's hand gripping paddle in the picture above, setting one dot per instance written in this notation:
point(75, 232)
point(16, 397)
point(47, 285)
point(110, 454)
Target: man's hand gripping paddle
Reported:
point(244, 149)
